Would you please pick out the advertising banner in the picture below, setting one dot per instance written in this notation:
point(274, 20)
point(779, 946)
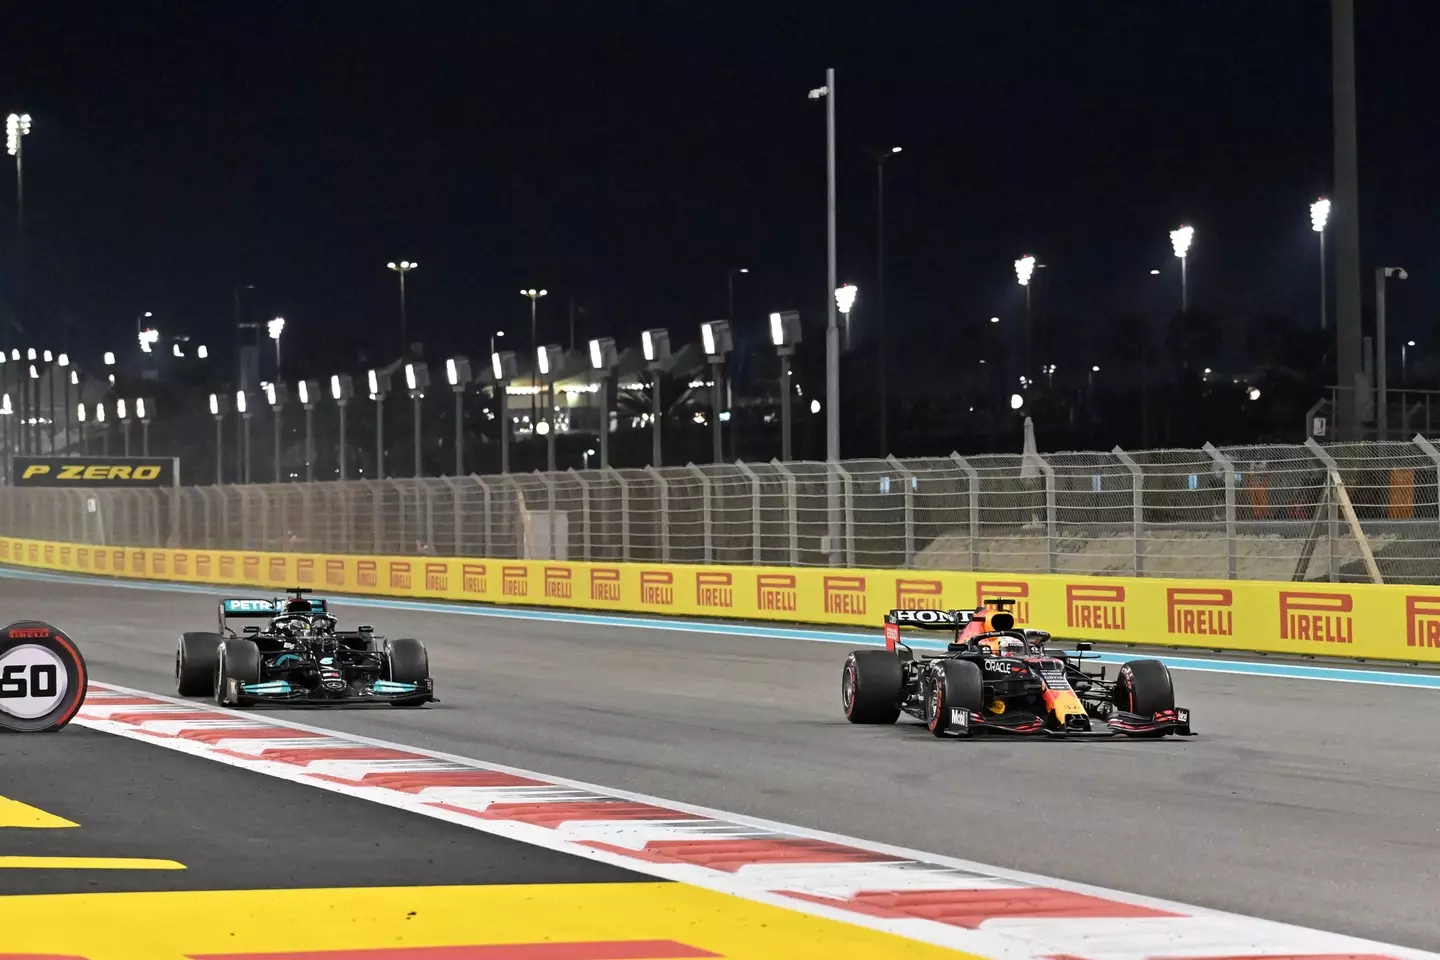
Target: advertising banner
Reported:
point(94, 471)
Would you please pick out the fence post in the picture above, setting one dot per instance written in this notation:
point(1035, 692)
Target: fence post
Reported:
point(1332, 501)
point(793, 497)
point(754, 508)
point(704, 510)
point(663, 489)
point(1137, 489)
point(1226, 465)
point(584, 507)
point(624, 512)
point(1050, 512)
point(849, 514)
point(973, 476)
point(909, 508)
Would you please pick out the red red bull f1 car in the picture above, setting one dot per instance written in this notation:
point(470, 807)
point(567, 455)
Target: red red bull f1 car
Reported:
point(994, 678)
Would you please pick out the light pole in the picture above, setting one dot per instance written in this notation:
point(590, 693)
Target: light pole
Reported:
point(1024, 269)
point(832, 329)
point(1403, 368)
point(242, 407)
point(656, 346)
point(68, 378)
point(880, 157)
point(79, 421)
point(309, 396)
point(845, 302)
point(1382, 390)
point(122, 410)
point(240, 325)
point(1180, 241)
point(17, 128)
point(730, 289)
point(506, 368)
point(547, 360)
point(342, 388)
point(457, 374)
point(379, 383)
point(534, 296)
point(276, 395)
point(276, 327)
point(219, 406)
point(715, 336)
point(402, 268)
point(417, 378)
point(104, 433)
point(785, 334)
point(144, 410)
point(1319, 214)
point(603, 357)
point(34, 417)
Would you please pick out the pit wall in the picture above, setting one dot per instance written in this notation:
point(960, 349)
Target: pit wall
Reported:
point(1360, 621)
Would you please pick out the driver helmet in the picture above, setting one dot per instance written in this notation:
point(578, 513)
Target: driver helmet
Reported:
point(298, 606)
point(1011, 647)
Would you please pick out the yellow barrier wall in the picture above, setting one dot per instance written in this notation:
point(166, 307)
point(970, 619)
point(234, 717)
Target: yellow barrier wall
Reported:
point(1366, 621)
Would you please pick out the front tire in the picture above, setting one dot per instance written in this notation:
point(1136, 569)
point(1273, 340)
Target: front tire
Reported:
point(238, 660)
point(195, 657)
point(407, 661)
point(870, 687)
point(959, 685)
point(1144, 688)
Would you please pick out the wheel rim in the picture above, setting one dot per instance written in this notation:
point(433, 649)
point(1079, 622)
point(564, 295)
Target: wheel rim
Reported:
point(937, 703)
point(847, 688)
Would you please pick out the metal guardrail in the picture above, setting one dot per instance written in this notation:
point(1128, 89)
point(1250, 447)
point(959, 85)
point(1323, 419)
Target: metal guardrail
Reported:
point(1258, 512)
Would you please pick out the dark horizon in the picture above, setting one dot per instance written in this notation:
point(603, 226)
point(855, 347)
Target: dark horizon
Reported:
point(628, 158)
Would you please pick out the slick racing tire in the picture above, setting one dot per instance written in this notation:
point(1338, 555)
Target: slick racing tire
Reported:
point(406, 661)
point(1144, 687)
point(195, 657)
point(238, 660)
point(959, 684)
point(870, 687)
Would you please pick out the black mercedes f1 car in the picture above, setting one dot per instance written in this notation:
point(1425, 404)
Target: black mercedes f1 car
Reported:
point(299, 657)
point(994, 678)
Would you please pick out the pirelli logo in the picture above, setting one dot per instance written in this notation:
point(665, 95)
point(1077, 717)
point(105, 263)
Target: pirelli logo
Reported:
point(367, 573)
point(227, 566)
point(1422, 621)
point(277, 570)
point(82, 558)
point(919, 594)
point(605, 584)
point(49, 553)
point(472, 579)
point(4, 549)
point(157, 563)
point(777, 591)
point(1317, 617)
point(304, 570)
point(117, 560)
point(65, 553)
point(34, 552)
point(845, 595)
point(137, 561)
point(251, 566)
point(1017, 590)
point(203, 565)
point(437, 577)
point(657, 588)
point(181, 565)
point(1198, 612)
point(335, 573)
point(715, 589)
point(515, 581)
point(558, 585)
point(400, 576)
point(1097, 606)
point(101, 560)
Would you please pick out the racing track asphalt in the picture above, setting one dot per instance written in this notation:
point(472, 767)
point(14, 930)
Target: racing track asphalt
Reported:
point(1301, 801)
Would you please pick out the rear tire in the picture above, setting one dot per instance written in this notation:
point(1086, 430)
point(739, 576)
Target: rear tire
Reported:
point(960, 684)
point(870, 687)
point(1144, 688)
point(238, 660)
point(195, 658)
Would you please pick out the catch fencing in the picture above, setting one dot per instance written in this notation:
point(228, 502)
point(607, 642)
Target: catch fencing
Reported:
point(1343, 512)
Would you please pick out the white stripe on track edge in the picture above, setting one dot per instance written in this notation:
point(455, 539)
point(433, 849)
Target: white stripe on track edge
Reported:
point(992, 941)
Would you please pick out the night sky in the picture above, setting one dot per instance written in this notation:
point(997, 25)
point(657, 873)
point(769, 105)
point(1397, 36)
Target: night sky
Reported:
point(627, 154)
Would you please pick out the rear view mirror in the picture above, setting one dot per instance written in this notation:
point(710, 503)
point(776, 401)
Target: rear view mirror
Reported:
point(1083, 645)
point(252, 628)
point(365, 628)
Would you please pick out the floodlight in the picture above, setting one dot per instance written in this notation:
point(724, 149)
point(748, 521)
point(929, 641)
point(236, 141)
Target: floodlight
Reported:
point(603, 354)
point(109, 357)
point(716, 337)
point(1180, 240)
point(417, 377)
point(548, 359)
point(845, 297)
point(202, 352)
point(242, 402)
point(785, 328)
point(378, 381)
point(505, 364)
point(122, 411)
point(656, 344)
point(1319, 214)
point(276, 327)
point(309, 392)
point(1024, 268)
point(63, 360)
point(342, 388)
point(457, 372)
